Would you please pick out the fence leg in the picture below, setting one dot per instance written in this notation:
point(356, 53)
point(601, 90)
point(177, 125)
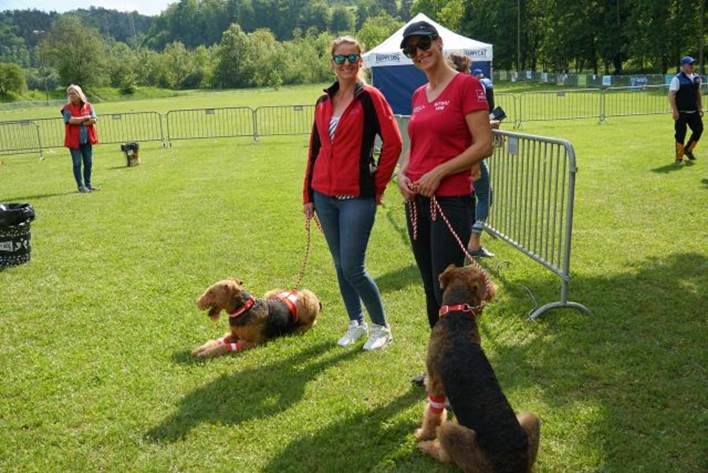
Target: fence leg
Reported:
point(255, 126)
point(563, 303)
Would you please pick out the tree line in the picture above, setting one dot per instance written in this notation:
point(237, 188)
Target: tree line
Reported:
point(242, 43)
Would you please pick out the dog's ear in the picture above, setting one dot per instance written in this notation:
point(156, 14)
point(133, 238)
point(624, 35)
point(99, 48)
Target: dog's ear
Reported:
point(490, 289)
point(445, 276)
point(237, 281)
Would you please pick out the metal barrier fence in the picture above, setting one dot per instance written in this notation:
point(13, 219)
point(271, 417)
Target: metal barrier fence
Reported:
point(20, 137)
point(205, 123)
point(646, 100)
point(533, 180)
point(202, 123)
point(509, 103)
point(279, 120)
point(51, 131)
point(570, 104)
point(132, 126)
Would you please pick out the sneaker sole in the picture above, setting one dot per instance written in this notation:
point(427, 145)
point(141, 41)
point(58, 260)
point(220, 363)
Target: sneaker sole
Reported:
point(387, 343)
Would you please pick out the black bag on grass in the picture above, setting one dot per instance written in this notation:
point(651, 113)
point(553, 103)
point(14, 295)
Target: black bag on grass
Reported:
point(15, 237)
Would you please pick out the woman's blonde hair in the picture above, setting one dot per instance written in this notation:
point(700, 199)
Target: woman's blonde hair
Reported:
point(78, 90)
point(337, 42)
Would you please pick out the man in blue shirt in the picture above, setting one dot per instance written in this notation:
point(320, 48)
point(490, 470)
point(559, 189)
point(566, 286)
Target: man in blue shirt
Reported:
point(687, 108)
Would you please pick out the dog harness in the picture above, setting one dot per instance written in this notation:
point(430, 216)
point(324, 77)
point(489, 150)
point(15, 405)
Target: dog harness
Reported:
point(437, 404)
point(229, 346)
point(459, 308)
point(244, 308)
point(290, 299)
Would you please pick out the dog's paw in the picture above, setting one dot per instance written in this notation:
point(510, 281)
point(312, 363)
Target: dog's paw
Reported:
point(213, 352)
point(205, 350)
point(423, 434)
point(429, 447)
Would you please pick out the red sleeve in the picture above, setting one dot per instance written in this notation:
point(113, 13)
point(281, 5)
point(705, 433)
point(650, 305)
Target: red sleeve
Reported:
point(391, 138)
point(472, 95)
point(312, 153)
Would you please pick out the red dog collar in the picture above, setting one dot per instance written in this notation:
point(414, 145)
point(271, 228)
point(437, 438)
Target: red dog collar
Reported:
point(247, 305)
point(457, 308)
point(290, 298)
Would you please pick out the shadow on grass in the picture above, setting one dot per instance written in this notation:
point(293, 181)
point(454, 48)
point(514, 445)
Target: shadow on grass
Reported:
point(638, 362)
point(357, 443)
point(668, 168)
point(399, 224)
point(398, 279)
point(40, 196)
point(256, 392)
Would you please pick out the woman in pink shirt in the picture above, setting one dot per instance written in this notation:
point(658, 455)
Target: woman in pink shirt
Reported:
point(449, 133)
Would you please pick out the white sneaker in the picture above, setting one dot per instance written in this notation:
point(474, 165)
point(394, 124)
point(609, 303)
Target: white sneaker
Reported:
point(353, 333)
point(379, 337)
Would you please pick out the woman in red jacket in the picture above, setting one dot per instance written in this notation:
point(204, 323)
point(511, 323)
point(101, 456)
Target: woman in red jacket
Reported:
point(344, 183)
point(80, 135)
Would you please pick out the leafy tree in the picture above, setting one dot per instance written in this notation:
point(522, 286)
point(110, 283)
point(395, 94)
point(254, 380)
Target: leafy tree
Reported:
point(12, 80)
point(404, 12)
point(377, 29)
point(450, 15)
point(315, 15)
point(77, 52)
point(389, 6)
point(342, 19)
point(229, 67)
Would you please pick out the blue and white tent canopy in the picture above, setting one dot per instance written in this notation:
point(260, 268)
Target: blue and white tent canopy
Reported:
point(396, 76)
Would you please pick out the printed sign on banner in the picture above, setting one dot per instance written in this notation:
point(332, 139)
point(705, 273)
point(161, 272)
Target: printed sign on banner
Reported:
point(607, 81)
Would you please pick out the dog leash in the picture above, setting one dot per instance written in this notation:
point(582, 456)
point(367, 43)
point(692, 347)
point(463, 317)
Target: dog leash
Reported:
point(435, 210)
point(308, 231)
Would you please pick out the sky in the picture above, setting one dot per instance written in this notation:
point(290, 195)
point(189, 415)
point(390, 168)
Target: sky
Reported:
point(146, 7)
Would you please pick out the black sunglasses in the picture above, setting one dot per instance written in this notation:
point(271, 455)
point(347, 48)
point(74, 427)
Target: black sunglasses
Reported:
point(410, 50)
point(340, 58)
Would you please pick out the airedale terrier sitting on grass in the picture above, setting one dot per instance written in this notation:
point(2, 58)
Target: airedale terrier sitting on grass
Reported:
point(255, 320)
point(487, 436)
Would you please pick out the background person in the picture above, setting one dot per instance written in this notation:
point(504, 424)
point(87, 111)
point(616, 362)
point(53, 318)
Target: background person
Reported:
point(480, 172)
point(687, 108)
point(344, 184)
point(80, 135)
point(449, 133)
point(487, 84)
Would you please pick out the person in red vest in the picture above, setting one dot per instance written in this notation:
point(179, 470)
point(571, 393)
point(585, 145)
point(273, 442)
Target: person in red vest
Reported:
point(80, 135)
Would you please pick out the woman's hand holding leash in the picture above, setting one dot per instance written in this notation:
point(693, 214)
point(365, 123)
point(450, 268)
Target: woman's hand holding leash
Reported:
point(406, 187)
point(428, 183)
point(309, 210)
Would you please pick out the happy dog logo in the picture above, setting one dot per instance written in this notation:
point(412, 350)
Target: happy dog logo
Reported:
point(440, 105)
point(475, 52)
point(387, 58)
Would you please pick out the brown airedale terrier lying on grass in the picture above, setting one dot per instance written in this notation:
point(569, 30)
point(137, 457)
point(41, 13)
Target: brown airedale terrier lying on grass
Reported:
point(487, 436)
point(255, 320)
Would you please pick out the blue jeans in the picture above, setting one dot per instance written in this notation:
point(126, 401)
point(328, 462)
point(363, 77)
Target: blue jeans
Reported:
point(346, 224)
point(483, 196)
point(83, 153)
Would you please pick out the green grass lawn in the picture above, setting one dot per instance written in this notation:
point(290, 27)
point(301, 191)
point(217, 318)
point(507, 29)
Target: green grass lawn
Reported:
point(97, 328)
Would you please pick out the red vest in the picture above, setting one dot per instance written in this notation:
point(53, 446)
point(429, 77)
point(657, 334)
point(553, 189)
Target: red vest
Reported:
point(72, 133)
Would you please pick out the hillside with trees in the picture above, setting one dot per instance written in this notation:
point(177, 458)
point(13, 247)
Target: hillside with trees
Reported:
point(244, 43)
